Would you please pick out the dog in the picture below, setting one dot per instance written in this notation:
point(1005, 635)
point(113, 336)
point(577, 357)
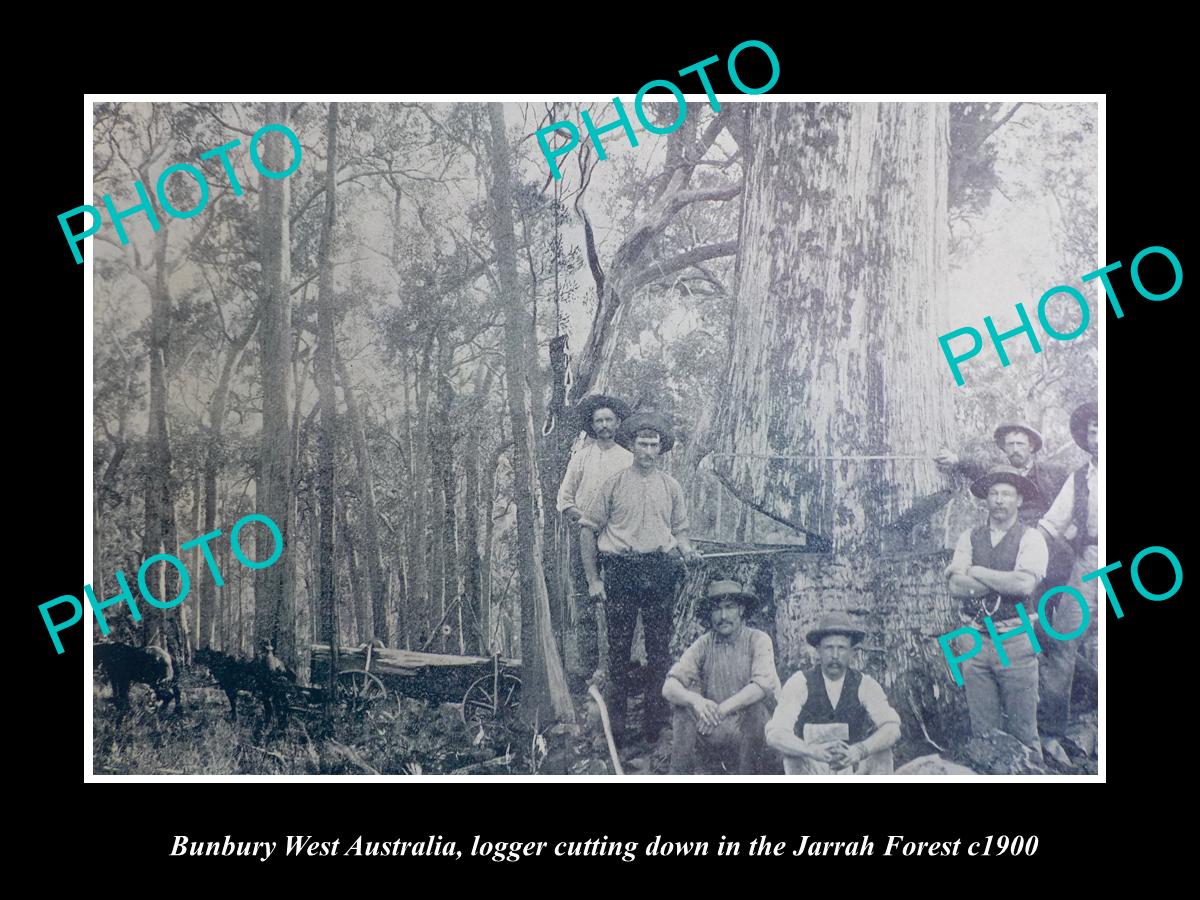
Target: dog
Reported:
point(125, 665)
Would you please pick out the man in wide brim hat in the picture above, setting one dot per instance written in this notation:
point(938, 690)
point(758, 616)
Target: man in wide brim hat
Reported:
point(586, 409)
point(833, 717)
point(720, 687)
point(1006, 475)
point(592, 463)
point(1080, 417)
point(725, 590)
point(1035, 439)
point(649, 420)
point(835, 623)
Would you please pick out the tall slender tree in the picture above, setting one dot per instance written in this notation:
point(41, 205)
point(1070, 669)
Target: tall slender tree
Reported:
point(274, 611)
point(323, 373)
point(545, 696)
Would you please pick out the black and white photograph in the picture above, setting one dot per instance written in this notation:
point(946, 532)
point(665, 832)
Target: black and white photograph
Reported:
point(615, 438)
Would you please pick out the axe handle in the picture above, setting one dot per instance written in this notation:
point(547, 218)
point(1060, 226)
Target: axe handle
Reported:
point(608, 736)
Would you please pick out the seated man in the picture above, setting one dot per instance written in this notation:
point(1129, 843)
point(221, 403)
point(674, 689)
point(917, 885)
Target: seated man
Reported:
point(832, 717)
point(719, 687)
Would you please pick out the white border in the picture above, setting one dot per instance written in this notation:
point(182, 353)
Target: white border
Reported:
point(89, 99)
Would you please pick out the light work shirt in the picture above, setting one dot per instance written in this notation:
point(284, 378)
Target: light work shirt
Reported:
point(1059, 519)
point(634, 512)
point(590, 467)
point(718, 667)
point(1032, 554)
point(795, 694)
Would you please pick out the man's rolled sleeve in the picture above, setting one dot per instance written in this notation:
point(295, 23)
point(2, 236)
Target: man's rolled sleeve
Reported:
point(687, 670)
point(1058, 517)
point(762, 664)
point(1032, 555)
point(963, 553)
point(875, 701)
point(791, 700)
point(595, 516)
point(570, 482)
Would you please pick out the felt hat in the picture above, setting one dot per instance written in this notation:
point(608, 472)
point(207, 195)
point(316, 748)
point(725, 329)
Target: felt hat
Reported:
point(1035, 439)
point(835, 623)
point(1080, 417)
point(586, 408)
point(1006, 475)
point(725, 590)
point(649, 419)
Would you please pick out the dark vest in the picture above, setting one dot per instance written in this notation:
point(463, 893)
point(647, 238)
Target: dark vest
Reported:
point(1049, 480)
point(1002, 558)
point(818, 711)
point(1079, 512)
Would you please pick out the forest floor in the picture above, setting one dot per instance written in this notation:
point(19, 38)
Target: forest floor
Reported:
point(404, 736)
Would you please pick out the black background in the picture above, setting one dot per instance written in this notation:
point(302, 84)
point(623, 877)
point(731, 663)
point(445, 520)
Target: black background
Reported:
point(1147, 448)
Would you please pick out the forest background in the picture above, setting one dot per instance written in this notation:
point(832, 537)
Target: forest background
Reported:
point(381, 351)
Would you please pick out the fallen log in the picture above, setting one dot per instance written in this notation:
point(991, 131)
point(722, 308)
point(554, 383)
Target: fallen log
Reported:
point(401, 662)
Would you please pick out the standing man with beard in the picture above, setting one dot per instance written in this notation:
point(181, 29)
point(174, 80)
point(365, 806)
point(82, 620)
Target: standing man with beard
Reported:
point(634, 536)
point(995, 567)
point(1072, 517)
point(1021, 445)
point(599, 457)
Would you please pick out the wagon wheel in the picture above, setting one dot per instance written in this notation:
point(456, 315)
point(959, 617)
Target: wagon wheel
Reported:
point(487, 696)
point(357, 690)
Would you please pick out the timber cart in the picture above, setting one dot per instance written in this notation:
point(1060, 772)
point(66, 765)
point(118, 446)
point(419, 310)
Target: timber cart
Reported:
point(368, 676)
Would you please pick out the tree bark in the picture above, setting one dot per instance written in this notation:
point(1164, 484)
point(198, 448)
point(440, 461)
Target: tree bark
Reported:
point(369, 520)
point(159, 519)
point(323, 373)
point(212, 462)
point(471, 564)
point(841, 278)
point(362, 598)
point(274, 610)
point(841, 275)
point(444, 441)
point(544, 690)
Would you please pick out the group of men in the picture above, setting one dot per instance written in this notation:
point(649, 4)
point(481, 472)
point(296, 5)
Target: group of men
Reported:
point(719, 696)
point(723, 697)
point(1041, 533)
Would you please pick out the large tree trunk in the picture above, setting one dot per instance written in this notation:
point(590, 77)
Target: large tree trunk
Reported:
point(841, 281)
point(274, 609)
point(544, 690)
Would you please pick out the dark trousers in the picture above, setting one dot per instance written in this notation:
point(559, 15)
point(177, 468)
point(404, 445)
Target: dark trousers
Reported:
point(646, 582)
point(737, 746)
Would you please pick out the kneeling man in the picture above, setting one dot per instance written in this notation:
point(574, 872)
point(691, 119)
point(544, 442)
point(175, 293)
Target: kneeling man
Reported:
point(832, 717)
point(719, 688)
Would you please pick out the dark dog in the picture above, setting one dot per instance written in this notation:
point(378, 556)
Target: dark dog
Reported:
point(125, 665)
point(266, 678)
